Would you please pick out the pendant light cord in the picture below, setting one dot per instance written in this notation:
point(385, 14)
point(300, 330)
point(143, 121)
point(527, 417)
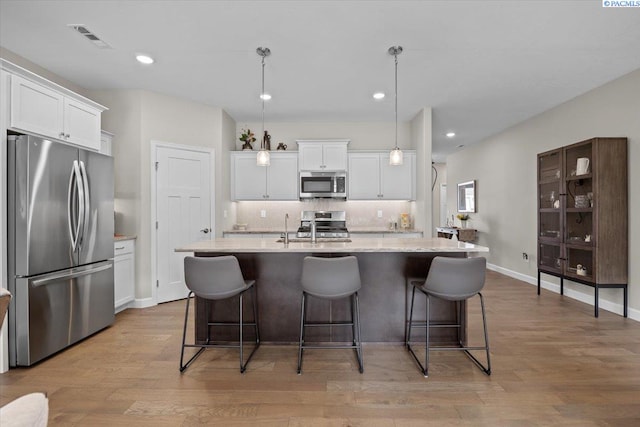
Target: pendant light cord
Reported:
point(262, 142)
point(396, 56)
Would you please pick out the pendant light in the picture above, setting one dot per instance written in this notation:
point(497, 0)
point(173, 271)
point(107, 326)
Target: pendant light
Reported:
point(263, 158)
point(395, 156)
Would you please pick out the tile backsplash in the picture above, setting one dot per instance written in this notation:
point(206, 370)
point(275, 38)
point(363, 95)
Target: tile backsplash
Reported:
point(360, 214)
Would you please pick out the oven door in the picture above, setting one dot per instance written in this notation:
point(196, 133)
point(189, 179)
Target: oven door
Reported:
point(322, 185)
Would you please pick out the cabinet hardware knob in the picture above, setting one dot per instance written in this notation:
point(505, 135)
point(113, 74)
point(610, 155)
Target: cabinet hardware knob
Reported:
point(119, 248)
point(205, 230)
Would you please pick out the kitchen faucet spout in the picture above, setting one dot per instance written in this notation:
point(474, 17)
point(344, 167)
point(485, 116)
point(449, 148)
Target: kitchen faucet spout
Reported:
point(286, 232)
point(313, 231)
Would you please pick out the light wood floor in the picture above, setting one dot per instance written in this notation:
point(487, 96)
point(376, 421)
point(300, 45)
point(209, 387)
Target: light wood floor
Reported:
point(553, 364)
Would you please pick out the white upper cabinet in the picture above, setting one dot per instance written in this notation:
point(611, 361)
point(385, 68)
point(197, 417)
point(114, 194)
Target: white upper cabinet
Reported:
point(279, 181)
point(36, 108)
point(322, 155)
point(282, 177)
point(398, 182)
point(42, 109)
point(372, 178)
point(81, 124)
point(106, 143)
point(364, 176)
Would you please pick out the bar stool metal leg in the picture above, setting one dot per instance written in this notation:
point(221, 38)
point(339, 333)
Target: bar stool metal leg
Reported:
point(255, 315)
point(423, 368)
point(357, 338)
point(184, 366)
point(485, 369)
point(242, 366)
point(302, 322)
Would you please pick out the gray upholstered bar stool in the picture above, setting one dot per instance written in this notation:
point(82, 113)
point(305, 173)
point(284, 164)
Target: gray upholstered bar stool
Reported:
point(452, 279)
point(331, 278)
point(218, 278)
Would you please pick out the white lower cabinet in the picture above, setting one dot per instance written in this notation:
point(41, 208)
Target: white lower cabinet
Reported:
point(124, 272)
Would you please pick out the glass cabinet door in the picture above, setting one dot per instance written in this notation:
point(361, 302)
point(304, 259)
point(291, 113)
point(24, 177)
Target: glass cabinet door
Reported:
point(550, 257)
point(579, 235)
point(579, 263)
point(550, 200)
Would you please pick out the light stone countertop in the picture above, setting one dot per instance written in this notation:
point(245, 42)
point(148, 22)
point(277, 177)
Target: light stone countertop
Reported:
point(354, 230)
point(382, 230)
point(120, 237)
point(258, 231)
point(250, 245)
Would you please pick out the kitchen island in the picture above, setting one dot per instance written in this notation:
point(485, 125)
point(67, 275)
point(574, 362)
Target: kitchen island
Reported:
point(384, 266)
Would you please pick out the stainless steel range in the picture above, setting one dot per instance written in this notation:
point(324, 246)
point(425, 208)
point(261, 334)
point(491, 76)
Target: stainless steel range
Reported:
point(328, 224)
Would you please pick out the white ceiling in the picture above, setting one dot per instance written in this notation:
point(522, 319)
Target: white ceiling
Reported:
point(481, 65)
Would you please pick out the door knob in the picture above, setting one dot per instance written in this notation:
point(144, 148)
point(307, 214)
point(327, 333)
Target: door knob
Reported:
point(205, 230)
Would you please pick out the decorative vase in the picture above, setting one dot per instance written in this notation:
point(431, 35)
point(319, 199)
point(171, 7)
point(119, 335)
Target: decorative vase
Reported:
point(266, 141)
point(247, 146)
point(463, 223)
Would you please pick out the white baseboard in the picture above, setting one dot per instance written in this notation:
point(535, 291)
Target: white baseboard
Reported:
point(143, 303)
point(571, 293)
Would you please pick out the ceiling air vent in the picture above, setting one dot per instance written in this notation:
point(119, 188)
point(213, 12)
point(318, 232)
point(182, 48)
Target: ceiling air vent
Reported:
point(86, 33)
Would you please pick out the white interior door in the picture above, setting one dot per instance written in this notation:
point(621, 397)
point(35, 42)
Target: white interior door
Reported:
point(183, 212)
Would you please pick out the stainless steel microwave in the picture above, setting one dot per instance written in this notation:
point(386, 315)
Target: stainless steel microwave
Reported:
point(330, 185)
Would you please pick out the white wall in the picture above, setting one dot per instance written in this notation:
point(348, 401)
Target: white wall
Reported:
point(43, 72)
point(440, 179)
point(421, 132)
point(505, 169)
point(136, 118)
point(223, 176)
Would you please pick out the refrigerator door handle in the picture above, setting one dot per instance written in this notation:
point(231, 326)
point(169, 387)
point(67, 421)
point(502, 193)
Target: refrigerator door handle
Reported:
point(71, 274)
point(87, 203)
point(73, 216)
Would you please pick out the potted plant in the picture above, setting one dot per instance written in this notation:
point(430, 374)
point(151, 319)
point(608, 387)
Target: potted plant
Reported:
point(247, 137)
point(463, 219)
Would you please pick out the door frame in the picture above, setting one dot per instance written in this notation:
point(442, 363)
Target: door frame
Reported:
point(153, 253)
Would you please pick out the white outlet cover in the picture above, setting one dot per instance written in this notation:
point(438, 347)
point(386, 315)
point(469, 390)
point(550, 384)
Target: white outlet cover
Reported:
point(379, 214)
point(263, 213)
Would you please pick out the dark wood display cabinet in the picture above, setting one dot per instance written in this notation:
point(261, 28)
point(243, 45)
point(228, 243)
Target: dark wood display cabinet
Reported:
point(582, 215)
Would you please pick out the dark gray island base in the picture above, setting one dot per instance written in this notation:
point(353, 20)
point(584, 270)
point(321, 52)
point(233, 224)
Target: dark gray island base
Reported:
point(384, 301)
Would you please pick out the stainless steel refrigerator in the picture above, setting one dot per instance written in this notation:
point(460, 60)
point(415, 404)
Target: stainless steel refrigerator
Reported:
point(60, 247)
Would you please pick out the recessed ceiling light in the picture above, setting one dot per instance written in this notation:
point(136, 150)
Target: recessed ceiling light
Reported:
point(378, 95)
point(144, 59)
point(451, 134)
point(265, 96)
